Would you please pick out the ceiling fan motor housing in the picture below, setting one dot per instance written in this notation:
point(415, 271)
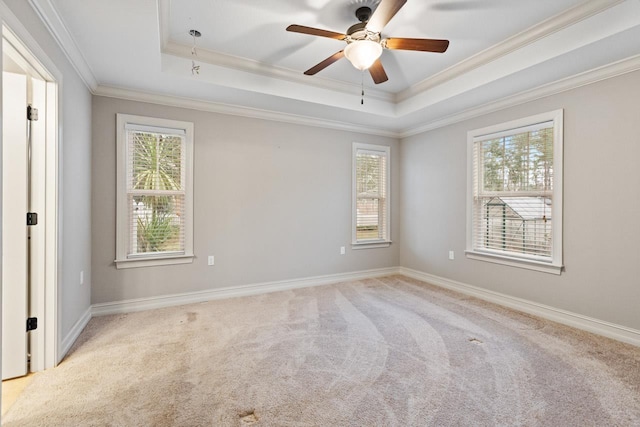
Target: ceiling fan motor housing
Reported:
point(355, 29)
point(363, 13)
point(359, 31)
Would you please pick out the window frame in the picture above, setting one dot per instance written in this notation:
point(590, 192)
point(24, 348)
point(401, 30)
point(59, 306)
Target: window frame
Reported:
point(385, 242)
point(122, 209)
point(555, 264)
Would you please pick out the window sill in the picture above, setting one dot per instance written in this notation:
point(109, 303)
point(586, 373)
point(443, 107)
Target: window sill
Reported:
point(545, 267)
point(153, 261)
point(371, 245)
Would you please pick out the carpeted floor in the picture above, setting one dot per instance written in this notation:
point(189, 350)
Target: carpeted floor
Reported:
point(379, 352)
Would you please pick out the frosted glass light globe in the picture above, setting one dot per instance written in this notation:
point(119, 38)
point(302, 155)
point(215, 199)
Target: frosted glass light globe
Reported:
point(363, 53)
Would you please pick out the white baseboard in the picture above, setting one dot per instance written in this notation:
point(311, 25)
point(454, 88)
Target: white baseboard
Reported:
point(140, 304)
point(589, 324)
point(600, 327)
point(73, 335)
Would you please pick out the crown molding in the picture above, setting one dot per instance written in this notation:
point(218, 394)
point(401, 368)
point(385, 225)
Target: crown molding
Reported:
point(615, 69)
point(583, 79)
point(163, 22)
point(167, 46)
point(17, 35)
point(56, 26)
point(235, 110)
point(518, 41)
point(256, 67)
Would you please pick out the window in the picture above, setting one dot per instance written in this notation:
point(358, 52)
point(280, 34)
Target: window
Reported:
point(154, 192)
point(515, 193)
point(370, 196)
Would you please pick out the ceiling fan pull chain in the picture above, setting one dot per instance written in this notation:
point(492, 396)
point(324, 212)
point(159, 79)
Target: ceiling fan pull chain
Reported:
point(362, 86)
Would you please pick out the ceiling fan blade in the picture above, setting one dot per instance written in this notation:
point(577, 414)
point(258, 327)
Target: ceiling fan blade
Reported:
point(315, 32)
point(424, 45)
point(324, 64)
point(383, 14)
point(377, 72)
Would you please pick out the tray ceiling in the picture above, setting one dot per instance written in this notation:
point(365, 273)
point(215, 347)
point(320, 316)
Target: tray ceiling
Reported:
point(249, 63)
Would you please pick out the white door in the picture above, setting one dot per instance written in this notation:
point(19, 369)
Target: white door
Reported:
point(14, 228)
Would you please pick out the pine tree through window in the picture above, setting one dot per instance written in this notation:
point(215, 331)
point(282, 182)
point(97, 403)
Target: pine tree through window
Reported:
point(515, 190)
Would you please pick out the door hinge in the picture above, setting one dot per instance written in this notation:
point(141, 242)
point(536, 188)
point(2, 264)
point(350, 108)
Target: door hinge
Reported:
point(32, 218)
point(32, 113)
point(32, 323)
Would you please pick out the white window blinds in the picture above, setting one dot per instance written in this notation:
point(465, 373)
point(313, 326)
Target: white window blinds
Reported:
point(155, 190)
point(513, 191)
point(371, 187)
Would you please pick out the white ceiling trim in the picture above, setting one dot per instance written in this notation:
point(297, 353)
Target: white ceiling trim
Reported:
point(247, 65)
point(546, 46)
point(532, 46)
point(234, 110)
point(589, 77)
point(583, 79)
point(538, 33)
point(410, 95)
point(255, 67)
point(278, 88)
point(56, 26)
point(15, 33)
point(558, 36)
point(512, 44)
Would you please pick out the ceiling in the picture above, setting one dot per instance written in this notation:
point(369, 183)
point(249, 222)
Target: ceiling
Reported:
point(499, 50)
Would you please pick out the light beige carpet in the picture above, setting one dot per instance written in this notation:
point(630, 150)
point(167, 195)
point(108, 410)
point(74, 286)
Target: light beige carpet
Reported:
point(378, 352)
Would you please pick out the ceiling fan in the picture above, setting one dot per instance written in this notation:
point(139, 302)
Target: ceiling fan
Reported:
point(365, 43)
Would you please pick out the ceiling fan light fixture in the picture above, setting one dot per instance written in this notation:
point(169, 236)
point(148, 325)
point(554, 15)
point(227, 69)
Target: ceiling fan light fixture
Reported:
point(363, 53)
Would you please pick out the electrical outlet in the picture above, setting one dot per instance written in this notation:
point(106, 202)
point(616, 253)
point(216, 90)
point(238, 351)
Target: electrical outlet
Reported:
point(342, 250)
point(210, 261)
point(82, 277)
point(451, 255)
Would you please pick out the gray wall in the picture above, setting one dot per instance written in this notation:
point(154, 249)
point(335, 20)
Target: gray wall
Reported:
point(75, 190)
point(272, 202)
point(601, 205)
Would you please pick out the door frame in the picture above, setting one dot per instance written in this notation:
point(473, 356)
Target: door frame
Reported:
point(44, 349)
